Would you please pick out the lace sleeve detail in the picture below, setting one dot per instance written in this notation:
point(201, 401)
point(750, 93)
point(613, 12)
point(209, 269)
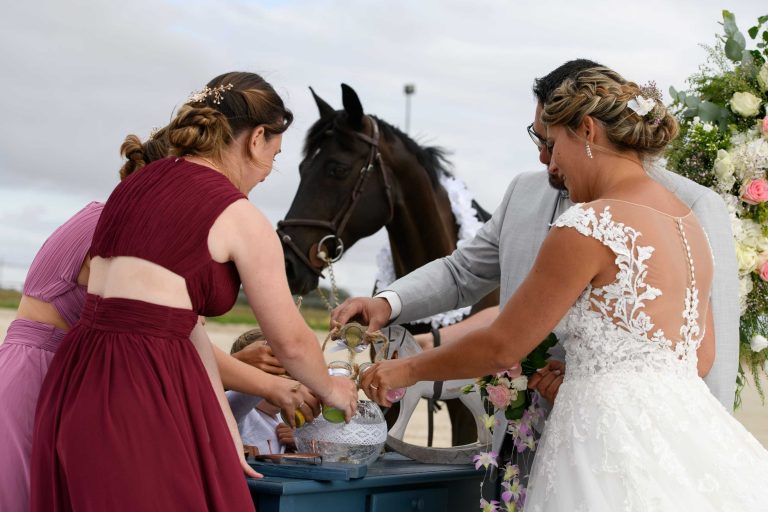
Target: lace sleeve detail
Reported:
point(576, 217)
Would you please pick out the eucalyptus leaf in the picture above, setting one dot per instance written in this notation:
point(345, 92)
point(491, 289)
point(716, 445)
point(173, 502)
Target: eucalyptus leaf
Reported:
point(709, 112)
point(747, 61)
point(733, 50)
point(691, 112)
point(740, 39)
point(692, 101)
point(729, 22)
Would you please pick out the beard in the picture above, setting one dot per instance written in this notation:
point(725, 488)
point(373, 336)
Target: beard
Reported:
point(556, 182)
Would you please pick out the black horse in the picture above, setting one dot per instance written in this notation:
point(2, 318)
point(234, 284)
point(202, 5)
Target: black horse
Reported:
point(360, 173)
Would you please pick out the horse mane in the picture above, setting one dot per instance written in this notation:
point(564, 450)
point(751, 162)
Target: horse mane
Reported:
point(432, 158)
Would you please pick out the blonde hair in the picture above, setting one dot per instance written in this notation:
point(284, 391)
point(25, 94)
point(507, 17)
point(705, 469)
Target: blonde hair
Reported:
point(246, 339)
point(603, 94)
point(207, 123)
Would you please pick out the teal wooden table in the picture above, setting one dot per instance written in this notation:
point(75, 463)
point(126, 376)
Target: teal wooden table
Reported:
point(393, 484)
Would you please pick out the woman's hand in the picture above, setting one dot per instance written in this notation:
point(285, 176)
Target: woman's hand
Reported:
point(342, 394)
point(290, 396)
point(247, 469)
point(547, 380)
point(371, 312)
point(259, 354)
point(385, 376)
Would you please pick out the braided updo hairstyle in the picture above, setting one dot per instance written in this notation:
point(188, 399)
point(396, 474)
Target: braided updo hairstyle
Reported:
point(230, 104)
point(603, 94)
point(139, 154)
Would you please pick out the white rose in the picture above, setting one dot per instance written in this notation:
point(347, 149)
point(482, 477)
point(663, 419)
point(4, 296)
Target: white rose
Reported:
point(520, 383)
point(723, 164)
point(758, 343)
point(746, 257)
point(745, 104)
point(762, 77)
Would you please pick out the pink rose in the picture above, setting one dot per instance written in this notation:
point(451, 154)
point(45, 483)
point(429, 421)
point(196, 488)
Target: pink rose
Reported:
point(499, 396)
point(755, 192)
point(765, 126)
point(764, 271)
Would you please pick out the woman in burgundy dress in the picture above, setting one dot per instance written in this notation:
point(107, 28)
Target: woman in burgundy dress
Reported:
point(127, 417)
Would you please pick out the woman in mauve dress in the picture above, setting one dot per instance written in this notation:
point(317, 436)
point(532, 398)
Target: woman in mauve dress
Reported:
point(128, 417)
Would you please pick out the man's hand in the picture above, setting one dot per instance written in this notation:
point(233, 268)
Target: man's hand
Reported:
point(547, 380)
point(371, 312)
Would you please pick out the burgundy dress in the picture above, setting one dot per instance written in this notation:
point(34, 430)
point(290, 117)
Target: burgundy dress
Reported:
point(127, 419)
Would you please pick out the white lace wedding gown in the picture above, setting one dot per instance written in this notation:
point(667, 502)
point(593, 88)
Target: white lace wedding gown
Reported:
point(634, 428)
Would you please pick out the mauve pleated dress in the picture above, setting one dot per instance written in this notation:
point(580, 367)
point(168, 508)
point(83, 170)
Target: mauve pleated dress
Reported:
point(29, 346)
point(127, 419)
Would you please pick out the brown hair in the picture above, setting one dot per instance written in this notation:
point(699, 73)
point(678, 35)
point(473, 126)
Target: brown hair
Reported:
point(230, 104)
point(603, 94)
point(246, 339)
point(140, 153)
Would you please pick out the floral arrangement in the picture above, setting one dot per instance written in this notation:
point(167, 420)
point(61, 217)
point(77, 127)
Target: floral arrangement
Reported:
point(723, 144)
point(508, 391)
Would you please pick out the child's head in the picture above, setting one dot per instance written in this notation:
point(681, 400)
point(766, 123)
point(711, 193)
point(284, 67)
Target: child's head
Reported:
point(246, 339)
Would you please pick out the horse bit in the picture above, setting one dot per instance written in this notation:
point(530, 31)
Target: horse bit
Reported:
point(339, 222)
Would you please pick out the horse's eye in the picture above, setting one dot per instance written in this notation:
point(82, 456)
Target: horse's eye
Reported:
point(338, 170)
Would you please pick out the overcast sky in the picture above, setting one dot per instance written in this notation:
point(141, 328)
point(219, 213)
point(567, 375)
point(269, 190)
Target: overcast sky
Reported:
point(79, 76)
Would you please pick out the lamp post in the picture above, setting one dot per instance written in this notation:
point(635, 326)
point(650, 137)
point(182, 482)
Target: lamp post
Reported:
point(409, 89)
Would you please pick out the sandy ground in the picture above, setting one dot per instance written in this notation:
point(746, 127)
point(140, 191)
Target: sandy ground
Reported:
point(752, 414)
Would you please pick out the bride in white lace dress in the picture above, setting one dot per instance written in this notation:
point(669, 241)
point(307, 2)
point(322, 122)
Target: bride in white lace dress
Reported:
point(627, 272)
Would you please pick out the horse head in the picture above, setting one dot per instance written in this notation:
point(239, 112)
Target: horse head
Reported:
point(344, 193)
point(360, 174)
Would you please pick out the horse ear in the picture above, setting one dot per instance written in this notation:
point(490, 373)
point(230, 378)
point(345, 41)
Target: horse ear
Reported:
point(323, 107)
point(352, 106)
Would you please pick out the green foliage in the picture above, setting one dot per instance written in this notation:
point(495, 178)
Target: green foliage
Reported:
point(538, 356)
point(708, 124)
point(9, 299)
point(692, 154)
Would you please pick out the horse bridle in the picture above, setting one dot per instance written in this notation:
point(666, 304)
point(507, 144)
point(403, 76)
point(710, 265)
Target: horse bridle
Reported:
point(339, 222)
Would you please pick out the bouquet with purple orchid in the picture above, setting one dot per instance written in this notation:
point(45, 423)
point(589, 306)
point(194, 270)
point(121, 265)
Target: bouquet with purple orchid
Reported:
point(508, 391)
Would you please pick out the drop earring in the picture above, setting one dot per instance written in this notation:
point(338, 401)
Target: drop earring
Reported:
point(589, 151)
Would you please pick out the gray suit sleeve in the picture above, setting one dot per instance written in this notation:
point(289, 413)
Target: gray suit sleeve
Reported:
point(713, 215)
point(458, 280)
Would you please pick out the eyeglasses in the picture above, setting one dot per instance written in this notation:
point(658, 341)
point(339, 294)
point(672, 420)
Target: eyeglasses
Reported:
point(537, 139)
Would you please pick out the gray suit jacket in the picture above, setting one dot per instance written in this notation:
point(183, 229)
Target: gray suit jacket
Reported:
point(503, 252)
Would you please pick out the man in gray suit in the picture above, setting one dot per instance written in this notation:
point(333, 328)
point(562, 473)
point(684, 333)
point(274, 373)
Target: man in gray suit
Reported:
point(503, 252)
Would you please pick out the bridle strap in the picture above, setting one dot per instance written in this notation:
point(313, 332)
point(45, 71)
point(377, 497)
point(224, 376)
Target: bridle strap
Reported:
point(340, 220)
point(287, 240)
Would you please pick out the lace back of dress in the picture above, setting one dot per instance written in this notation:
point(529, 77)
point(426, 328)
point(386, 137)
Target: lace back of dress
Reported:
point(664, 272)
